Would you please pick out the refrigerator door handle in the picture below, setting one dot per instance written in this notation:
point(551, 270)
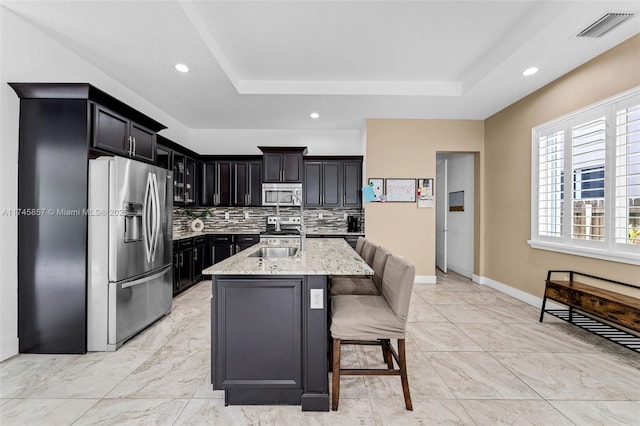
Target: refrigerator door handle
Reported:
point(156, 211)
point(151, 216)
point(146, 279)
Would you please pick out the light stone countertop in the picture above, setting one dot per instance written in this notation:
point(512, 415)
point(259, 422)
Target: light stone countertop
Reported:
point(322, 256)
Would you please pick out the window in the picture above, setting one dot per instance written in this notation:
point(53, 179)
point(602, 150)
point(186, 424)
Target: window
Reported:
point(586, 181)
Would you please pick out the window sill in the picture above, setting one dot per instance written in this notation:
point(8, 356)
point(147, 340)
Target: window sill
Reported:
point(630, 258)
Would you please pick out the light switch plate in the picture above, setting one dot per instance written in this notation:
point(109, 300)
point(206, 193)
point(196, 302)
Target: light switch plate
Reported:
point(317, 298)
point(226, 215)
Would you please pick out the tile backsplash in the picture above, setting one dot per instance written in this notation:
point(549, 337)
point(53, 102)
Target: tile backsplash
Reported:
point(249, 219)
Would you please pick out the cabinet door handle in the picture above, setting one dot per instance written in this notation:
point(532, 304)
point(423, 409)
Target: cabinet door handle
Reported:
point(134, 147)
point(195, 254)
point(181, 260)
point(130, 145)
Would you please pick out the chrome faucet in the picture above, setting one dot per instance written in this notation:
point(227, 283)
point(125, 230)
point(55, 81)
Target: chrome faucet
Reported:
point(300, 229)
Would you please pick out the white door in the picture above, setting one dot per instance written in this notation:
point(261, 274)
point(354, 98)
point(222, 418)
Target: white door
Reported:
point(441, 213)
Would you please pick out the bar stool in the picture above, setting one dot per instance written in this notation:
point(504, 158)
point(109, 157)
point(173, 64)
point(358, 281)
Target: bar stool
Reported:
point(368, 251)
point(362, 285)
point(359, 244)
point(375, 320)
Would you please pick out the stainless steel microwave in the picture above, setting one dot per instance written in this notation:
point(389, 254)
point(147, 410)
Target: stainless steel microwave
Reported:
point(286, 194)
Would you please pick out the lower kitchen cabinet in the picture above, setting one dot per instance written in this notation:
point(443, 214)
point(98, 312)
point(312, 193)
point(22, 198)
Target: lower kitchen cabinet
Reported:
point(243, 242)
point(182, 265)
point(192, 255)
point(220, 247)
point(199, 257)
point(258, 346)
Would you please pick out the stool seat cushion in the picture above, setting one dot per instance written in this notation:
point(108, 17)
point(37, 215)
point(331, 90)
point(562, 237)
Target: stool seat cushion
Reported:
point(353, 285)
point(364, 318)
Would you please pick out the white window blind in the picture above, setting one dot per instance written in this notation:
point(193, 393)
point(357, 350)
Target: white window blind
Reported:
point(586, 181)
point(550, 172)
point(588, 161)
point(627, 183)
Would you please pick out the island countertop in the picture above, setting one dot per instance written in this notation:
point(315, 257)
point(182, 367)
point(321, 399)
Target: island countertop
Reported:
point(322, 256)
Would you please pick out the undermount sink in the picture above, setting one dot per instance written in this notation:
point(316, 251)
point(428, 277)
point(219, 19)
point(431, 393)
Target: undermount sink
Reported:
point(274, 252)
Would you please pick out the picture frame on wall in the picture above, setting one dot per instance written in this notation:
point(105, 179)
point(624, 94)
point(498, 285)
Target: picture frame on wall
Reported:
point(400, 190)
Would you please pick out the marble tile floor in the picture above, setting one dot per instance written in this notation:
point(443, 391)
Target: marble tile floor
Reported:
point(475, 355)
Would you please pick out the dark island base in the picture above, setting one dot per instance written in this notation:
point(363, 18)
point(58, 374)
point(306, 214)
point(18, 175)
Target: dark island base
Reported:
point(309, 401)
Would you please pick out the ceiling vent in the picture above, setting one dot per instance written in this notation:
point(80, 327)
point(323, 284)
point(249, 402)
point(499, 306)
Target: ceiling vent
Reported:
point(605, 24)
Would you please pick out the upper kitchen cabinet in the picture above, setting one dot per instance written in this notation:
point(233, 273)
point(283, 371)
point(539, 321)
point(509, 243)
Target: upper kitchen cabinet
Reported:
point(231, 181)
point(352, 183)
point(282, 164)
point(184, 180)
point(55, 143)
point(182, 162)
point(120, 135)
point(215, 183)
point(332, 182)
point(247, 183)
point(164, 157)
point(322, 183)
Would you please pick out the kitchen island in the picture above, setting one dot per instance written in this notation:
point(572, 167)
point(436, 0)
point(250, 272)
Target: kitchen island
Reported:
point(269, 330)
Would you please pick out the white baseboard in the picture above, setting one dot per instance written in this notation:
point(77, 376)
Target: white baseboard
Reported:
point(8, 349)
point(515, 293)
point(425, 279)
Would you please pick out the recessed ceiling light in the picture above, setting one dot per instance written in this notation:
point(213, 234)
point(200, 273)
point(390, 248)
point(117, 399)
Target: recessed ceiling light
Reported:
point(182, 68)
point(314, 115)
point(530, 71)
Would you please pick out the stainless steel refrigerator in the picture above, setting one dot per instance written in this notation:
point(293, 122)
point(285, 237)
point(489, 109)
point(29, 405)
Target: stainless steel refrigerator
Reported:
point(130, 249)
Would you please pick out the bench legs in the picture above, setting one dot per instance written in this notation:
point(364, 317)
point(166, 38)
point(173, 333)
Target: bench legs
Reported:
point(544, 302)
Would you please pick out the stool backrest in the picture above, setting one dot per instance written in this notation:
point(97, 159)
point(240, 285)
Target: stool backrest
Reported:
point(360, 244)
point(368, 251)
point(379, 263)
point(397, 285)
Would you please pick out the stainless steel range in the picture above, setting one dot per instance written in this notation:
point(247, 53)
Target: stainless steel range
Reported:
point(288, 234)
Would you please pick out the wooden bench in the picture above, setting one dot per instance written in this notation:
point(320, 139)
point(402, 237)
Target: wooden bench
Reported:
point(616, 308)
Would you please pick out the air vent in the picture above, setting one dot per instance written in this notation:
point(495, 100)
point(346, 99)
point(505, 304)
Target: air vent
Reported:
point(605, 24)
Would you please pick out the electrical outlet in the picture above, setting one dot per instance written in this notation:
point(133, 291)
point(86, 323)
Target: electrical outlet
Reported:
point(246, 215)
point(319, 215)
point(226, 215)
point(345, 217)
point(317, 298)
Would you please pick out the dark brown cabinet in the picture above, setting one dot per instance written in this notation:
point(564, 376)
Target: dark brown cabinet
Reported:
point(322, 183)
point(62, 125)
point(184, 180)
point(352, 184)
point(247, 183)
point(258, 329)
point(164, 157)
point(282, 164)
point(115, 133)
point(231, 183)
point(332, 183)
point(243, 242)
point(215, 183)
point(182, 265)
point(220, 248)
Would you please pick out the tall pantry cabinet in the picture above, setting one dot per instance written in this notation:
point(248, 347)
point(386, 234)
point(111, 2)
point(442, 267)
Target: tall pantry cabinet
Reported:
point(59, 131)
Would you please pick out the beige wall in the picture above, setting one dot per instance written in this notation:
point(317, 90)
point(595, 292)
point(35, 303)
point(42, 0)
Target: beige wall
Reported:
point(508, 257)
point(407, 149)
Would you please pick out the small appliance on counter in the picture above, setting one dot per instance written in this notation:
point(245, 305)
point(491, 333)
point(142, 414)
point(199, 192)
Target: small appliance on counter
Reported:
point(354, 224)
